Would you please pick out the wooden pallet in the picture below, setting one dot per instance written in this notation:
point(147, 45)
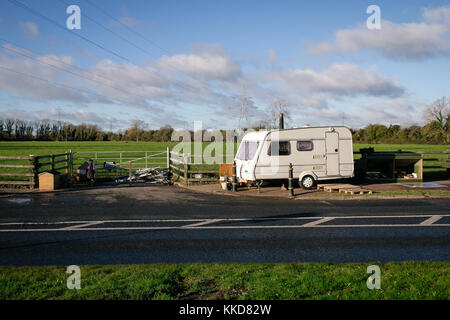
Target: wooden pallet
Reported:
point(334, 187)
point(354, 191)
point(343, 188)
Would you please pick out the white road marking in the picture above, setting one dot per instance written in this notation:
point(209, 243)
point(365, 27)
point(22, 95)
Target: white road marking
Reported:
point(82, 225)
point(227, 227)
point(326, 202)
point(205, 224)
point(202, 223)
point(315, 223)
point(227, 219)
point(431, 220)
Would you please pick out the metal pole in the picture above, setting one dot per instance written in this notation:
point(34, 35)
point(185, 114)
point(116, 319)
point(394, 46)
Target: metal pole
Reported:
point(291, 176)
point(281, 124)
point(233, 180)
point(70, 163)
point(146, 159)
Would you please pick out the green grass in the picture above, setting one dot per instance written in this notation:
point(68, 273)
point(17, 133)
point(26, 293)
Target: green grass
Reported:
point(46, 147)
point(409, 280)
point(384, 193)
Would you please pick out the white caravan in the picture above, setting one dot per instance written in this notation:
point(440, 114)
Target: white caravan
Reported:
point(316, 153)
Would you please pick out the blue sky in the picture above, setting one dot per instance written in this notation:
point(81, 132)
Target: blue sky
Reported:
point(196, 60)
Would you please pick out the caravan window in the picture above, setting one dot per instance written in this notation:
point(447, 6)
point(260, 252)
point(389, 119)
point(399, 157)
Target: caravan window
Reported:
point(247, 150)
point(304, 145)
point(279, 148)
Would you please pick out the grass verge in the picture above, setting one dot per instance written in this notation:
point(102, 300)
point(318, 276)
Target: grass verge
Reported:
point(287, 281)
point(383, 193)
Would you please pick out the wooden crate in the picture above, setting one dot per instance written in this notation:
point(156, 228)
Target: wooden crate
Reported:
point(49, 181)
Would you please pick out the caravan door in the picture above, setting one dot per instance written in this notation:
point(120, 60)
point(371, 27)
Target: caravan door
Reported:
point(332, 151)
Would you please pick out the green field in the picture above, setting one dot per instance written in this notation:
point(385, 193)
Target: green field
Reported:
point(287, 281)
point(18, 148)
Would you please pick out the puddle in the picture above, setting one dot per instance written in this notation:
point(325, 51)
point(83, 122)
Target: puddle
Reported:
point(423, 185)
point(19, 200)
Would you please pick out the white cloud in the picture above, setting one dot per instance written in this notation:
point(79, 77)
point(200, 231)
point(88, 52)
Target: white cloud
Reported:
point(26, 77)
point(29, 29)
point(386, 111)
point(403, 41)
point(339, 79)
point(129, 82)
point(211, 63)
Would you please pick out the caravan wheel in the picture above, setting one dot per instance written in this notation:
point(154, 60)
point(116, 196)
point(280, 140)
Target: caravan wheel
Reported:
point(307, 182)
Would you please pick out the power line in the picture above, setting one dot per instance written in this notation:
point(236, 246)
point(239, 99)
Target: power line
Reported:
point(113, 32)
point(180, 84)
point(128, 28)
point(59, 61)
point(59, 68)
point(55, 84)
point(18, 3)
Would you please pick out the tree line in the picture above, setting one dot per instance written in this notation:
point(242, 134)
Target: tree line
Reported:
point(47, 130)
point(20, 130)
point(435, 131)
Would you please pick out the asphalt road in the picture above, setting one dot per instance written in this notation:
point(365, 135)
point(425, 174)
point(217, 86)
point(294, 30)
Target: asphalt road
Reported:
point(167, 224)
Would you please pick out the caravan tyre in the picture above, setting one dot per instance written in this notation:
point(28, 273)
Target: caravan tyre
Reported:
point(307, 182)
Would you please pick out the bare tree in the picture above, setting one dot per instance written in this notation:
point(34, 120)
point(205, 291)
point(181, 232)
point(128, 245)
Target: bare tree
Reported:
point(439, 113)
point(275, 108)
point(137, 128)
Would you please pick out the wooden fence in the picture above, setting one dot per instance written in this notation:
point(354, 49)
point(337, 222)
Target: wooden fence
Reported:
point(182, 167)
point(436, 161)
point(17, 171)
point(23, 171)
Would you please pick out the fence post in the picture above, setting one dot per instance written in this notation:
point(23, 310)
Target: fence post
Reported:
point(52, 165)
point(168, 159)
point(70, 163)
point(67, 162)
point(185, 170)
point(35, 171)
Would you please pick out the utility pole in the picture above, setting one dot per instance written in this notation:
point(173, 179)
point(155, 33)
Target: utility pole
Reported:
point(244, 107)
